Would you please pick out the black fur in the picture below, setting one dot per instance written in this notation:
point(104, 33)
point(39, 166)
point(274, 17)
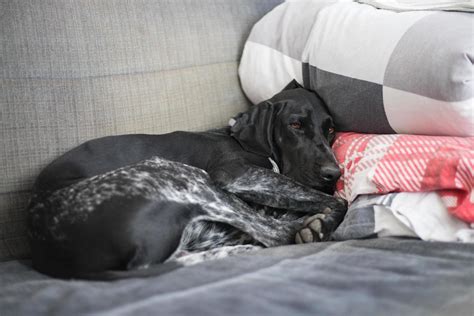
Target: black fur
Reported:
point(134, 201)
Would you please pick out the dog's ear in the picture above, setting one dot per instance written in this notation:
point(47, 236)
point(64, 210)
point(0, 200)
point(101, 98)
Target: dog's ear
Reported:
point(254, 129)
point(293, 84)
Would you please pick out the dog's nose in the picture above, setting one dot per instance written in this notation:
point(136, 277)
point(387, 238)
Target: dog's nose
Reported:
point(330, 173)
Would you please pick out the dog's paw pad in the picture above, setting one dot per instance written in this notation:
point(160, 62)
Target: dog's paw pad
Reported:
point(316, 226)
point(317, 217)
point(304, 236)
point(327, 211)
point(298, 239)
point(313, 229)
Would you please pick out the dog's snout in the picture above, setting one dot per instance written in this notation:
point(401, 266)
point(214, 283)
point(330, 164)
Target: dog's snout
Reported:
point(330, 173)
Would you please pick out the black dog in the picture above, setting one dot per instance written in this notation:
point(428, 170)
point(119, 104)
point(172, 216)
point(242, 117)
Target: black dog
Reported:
point(127, 202)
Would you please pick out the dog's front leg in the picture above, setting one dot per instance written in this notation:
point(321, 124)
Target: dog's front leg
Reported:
point(265, 187)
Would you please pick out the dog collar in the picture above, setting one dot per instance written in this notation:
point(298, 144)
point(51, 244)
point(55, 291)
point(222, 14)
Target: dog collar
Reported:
point(274, 165)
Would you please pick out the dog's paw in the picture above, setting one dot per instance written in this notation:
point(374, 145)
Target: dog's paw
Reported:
point(342, 204)
point(313, 229)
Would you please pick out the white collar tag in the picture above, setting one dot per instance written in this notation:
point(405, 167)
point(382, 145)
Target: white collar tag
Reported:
point(274, 165)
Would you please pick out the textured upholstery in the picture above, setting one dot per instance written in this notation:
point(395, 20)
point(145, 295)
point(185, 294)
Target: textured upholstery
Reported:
point(72, 70)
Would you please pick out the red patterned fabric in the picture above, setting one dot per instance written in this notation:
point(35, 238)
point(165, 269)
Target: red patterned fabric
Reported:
point(380, 164)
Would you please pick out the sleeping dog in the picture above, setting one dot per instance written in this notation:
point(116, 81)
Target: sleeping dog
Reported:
point(135, 205)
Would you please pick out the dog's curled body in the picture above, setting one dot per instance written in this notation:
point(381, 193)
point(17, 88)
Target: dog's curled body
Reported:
point(124, 203)
point(200, 207)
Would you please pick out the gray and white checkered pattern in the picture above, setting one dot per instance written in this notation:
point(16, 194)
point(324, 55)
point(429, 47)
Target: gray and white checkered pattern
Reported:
point(379, 71)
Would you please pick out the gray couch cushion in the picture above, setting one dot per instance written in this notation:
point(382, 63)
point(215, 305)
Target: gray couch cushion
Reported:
point(361, 277)
point(75, 70)
point(377, 71)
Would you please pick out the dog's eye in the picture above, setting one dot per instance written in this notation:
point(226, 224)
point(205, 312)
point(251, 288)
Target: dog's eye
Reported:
point(331, 130)
point(295, 125)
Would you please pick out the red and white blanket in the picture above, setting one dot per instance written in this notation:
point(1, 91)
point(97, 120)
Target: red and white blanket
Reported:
point(381, 164)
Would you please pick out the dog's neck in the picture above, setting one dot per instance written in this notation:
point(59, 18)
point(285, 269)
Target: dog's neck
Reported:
point(275, 167)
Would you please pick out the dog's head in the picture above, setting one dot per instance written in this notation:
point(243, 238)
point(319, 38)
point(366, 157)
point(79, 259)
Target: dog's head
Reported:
point(294, 129)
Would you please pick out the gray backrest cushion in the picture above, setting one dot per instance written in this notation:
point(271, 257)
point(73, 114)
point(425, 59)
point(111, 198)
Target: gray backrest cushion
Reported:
point(72, 70)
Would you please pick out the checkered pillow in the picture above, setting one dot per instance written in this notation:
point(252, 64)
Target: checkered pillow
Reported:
point(378, 71)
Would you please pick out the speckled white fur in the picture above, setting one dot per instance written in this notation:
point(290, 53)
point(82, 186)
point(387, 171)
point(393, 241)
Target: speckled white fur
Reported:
point(162, 180)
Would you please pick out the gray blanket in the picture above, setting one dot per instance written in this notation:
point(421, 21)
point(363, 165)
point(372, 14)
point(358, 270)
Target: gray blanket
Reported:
point(364, 277)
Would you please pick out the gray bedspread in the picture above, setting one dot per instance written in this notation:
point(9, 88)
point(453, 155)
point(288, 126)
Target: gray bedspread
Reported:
point(364, 277)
